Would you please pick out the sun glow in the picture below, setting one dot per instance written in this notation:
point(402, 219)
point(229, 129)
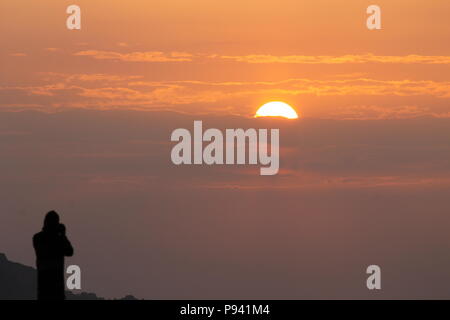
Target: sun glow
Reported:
point(276, 109)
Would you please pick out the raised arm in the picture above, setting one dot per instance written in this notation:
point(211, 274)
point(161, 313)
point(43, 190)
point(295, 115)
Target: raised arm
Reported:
point(67, 247)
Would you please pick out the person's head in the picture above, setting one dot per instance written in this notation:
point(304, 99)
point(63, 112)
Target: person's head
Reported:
point(51, 221)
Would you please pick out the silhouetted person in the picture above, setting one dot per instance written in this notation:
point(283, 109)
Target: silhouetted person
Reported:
point(51, 246)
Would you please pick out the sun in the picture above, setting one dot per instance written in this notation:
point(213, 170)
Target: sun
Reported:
point(276, 109)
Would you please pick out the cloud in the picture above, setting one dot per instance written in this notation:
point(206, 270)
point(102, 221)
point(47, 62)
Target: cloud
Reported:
point(53, 49)
point(344, 59)
point(361, 86)
point(147, 56)
point(304, 180)
point(87, 77)
point(159, 56)
point(315, 154)
point(110, 91)
point(18, 54)
point(354, 112)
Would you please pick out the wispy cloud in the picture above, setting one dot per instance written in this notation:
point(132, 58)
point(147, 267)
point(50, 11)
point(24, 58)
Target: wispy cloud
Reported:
point(159, 56)
point(109, 91)
point(147, 56)
point(87, 77)
point(349, 58)
point(52, 49)
point(18, 54)
point(362, 112)
point(303, 86)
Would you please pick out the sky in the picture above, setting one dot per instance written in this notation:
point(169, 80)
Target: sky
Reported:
point(86, 118)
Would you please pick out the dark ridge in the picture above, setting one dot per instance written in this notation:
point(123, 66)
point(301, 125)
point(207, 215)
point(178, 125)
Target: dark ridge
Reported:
point(18, 282)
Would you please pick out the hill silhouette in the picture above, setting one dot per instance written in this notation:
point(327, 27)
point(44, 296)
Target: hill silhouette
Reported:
point(18, 282)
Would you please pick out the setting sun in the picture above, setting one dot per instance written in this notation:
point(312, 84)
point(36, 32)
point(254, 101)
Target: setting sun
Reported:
point(276, 109)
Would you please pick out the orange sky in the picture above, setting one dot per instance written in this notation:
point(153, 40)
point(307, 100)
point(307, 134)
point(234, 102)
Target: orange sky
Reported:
point(350, 190)
point(229, 57)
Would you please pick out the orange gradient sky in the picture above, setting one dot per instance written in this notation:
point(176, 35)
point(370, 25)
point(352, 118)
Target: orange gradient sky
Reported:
point(364, 173)
point(228, 57)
